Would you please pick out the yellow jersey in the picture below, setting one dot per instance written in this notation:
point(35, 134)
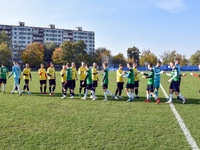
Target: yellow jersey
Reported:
point(119, 75)
point(42, 74)
point(51, 72)
point(27, 73)
point(63, 75)
point(74, 73)
point(136, 78)
point(94, 74)
point(82, 73)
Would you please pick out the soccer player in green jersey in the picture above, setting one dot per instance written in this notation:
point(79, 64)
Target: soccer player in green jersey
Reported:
point(130, 83)
point(3, 77)
point(69, 82)
point(89, 83)
point(150, 84)
point(174, 86)
point(105, 82)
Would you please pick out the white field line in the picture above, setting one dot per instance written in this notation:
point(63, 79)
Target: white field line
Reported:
point(186, 132)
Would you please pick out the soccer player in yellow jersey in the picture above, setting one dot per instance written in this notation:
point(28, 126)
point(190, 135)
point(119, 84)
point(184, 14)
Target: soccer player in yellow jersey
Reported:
point(120, 81)
point(63, 77)
point(136, 78)
point(94, 78)
point(82, 73)
point(52, 79)
point(74, 75)
point(43, 78)
point(27, 76)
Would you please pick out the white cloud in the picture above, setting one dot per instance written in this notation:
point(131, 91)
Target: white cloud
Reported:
point(172, 6)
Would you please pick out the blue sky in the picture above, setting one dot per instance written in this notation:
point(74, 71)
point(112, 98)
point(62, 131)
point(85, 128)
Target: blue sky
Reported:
point(158, 25)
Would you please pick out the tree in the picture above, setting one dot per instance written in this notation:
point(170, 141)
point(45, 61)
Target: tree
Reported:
point(148, 57)
point(133, 54)
point(57, 56)
point(49, 47)
point(6, 54)
point(33, 54)
point(80, 53)
point(119, 59)
point(169, 56)
point(4, 38)
point(195, 58)
point(102, 55)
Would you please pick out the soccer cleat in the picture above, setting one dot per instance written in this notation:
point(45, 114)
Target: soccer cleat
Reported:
point(91, 96)
point(12, 92)
point(94, 98)
point(15, 92)
point(63, 97)
point(45, 93)
point(113, 96)
point(137, 96)
point(29, 92)
point(23, 91)
point(105, 99)
point(120, 97)
point(147, 101)
point(72, 97)
point(116, 97)
point(183, 100)
point(158, 101)
point(20, 94)
point(84, 98)
point(168, 102)
point(130, 100)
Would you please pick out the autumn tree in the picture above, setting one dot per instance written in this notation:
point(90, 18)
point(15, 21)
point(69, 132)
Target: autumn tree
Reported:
point(148, 57)
point(168, 56)
point(5, 54)
point(133, 54)
point(119, 59)
point(57, 57)
point(195, 58)
point(33, 54)
point(102, 54)
point(4, 38)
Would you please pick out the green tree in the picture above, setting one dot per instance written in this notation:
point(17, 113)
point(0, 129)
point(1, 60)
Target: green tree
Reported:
point(5, 54)
point(195, 58)
point(119, 59)
point(102, 54)
point(4, 38)
point(49, 47)
point(33, 54)
point(57, 57)
point(148, 57)
point(169, 56)
point(133, 54)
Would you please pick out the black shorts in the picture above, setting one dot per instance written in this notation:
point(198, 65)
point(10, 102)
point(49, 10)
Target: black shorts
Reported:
point(150, 87)
point(129, 86)
point(120, 85)
point(136, 84)
point(82, 85)
point(95, 84)
point(4, 81)
point(73, 83)
point(43, 81)
point(174, 85)
point(26, 81)
point(52, 82)
point(68, 84)
point(89, 86)
point(105, 86)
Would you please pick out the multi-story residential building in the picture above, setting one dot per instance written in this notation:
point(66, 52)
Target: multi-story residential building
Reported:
point(21, 36)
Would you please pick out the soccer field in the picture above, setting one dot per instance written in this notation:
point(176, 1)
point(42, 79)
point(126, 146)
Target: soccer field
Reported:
point(48, 122)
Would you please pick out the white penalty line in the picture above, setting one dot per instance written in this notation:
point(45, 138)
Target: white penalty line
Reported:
point(188, 136)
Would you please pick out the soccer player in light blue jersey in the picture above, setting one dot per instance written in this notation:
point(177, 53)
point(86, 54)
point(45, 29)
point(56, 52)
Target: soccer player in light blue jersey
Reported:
point(157, 73)
point(17, 72)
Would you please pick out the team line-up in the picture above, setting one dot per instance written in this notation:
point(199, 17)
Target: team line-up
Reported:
point(89, 80)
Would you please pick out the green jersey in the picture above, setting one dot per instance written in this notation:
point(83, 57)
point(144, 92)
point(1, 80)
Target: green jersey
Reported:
point(69, 74)
point(88, 76)
point(175, 71)
point(131, 76)
point(4, 72)
point(105, 76)
point(150, 77)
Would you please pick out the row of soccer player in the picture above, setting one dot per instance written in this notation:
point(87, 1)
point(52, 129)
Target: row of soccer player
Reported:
point(89, 79)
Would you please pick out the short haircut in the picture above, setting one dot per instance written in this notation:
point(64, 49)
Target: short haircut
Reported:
point(172, 62)
point(177, 59)
point(87, 65)
point(68, 64)
point(150, 64)
point(120, 65)
point(105, 64)
point(130, 64)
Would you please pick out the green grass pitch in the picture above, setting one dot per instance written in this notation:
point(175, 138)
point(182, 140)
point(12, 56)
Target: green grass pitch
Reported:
point(43, 122)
